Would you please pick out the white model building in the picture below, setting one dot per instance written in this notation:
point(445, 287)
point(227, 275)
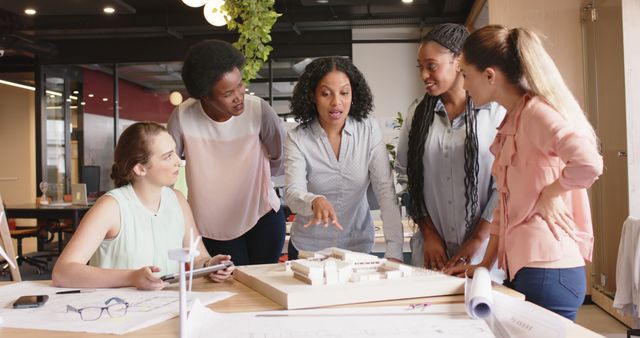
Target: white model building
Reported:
point(335, 265)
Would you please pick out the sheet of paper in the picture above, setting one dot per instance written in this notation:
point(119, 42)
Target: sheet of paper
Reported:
point(445, 320)
point(146, 308)
point(515, 318)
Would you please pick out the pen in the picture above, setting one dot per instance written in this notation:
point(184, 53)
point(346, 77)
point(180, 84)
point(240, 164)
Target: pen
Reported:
point(73, 291)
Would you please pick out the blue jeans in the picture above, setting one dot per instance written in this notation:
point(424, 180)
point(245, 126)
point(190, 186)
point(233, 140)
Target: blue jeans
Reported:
point(559, 290)
point(260, 245)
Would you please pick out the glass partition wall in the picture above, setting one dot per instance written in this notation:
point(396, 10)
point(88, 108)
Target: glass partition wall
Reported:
point(56, 114)
point(58, 109)
point(84, 108)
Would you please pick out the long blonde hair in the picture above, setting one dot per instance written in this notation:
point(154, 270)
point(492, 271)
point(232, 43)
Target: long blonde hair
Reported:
point(519, 53)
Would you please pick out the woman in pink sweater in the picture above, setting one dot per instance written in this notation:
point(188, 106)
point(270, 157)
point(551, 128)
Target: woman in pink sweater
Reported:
point(546, 158)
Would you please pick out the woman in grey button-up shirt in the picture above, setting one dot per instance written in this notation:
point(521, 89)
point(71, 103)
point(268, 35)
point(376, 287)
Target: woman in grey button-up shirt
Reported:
point(443, 155)
point(331, 158)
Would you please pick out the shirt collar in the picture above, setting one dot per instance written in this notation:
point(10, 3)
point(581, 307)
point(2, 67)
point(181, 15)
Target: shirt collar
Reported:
point(440, 110)
point(349, 127)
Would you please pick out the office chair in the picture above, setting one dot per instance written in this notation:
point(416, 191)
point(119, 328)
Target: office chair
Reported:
point(20, 233)
point(61, 227)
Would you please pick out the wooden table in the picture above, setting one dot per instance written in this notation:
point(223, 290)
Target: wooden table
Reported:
point(247, 300)
point(74, 213)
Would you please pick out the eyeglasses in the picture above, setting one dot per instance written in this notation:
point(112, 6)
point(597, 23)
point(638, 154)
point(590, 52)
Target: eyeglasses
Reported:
point(116, 307)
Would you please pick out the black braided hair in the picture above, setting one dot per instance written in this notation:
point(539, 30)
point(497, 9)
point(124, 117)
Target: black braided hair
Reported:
point(422, 120)
point(452, 37)
point(471, 165)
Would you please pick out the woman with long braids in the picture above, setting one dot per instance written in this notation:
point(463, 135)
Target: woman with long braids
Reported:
point(546, 156)
point(444, 151)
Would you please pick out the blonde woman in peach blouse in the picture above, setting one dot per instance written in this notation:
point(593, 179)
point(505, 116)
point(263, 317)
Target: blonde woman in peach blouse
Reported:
point(546, 158)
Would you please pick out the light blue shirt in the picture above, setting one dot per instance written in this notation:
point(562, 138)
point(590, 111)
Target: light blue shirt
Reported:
point(312, 170)
point(444, 174)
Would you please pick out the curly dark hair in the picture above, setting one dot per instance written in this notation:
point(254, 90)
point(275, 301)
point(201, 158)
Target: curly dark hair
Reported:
point(206, 62)
point(303, 101)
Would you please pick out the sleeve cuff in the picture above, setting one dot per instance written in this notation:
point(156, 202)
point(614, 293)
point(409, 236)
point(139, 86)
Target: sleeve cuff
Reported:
point(487, 213)
point(394, 250)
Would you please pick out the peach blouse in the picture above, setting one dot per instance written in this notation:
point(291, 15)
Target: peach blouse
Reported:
point(534, 147)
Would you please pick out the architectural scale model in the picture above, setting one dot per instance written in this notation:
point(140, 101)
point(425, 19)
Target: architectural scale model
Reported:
point(336, 276)
point(335, 265)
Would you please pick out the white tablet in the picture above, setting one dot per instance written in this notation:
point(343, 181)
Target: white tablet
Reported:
point(174, 278)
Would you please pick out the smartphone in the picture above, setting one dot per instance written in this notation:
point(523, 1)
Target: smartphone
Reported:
point(174, 278)
point(25, 302)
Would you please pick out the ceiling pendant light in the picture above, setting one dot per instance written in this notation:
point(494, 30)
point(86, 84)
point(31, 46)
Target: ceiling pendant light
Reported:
point(175, 98)
point(214, 14)
point(194, 3)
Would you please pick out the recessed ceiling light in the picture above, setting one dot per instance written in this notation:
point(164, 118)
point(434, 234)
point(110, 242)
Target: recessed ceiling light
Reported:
point(30, 11)
point(322, 1)
point(105, 99)
point(407, 1)
point(75, 92)
point(90, 95)
point(109, 10)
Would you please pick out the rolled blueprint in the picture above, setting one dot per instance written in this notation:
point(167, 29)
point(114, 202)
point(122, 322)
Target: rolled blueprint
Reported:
point(478, 299)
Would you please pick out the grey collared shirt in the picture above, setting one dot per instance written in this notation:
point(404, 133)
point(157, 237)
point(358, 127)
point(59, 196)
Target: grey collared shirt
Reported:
point(312, 170)
point(444, 174)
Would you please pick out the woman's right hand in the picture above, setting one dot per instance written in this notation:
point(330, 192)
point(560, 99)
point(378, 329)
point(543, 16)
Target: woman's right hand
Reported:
point(144, 279)
point(435, 256)
point(323, 213)
point(554, 212)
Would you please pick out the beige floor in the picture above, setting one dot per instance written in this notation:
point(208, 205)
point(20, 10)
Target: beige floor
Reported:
point(595, 319)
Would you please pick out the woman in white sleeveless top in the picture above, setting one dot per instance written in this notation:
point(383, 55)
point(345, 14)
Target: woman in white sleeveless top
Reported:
point(126, 236)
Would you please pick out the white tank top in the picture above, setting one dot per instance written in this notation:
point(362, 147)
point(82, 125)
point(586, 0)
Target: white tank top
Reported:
point(144, 238)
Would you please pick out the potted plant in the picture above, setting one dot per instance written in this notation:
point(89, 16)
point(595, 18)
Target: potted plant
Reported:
point(391, 148)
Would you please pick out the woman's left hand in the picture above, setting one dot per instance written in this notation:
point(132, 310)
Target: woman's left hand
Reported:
point(552, 209)
point(220, 275)
point(462, 270)
point(466, 252)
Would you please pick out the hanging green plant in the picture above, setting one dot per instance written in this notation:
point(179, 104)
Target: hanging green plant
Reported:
point(253, 20)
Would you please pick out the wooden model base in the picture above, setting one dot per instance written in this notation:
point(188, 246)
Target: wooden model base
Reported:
point(272, 281)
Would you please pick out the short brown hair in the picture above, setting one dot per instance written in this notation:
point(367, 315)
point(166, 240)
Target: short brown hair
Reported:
point(133, 148)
